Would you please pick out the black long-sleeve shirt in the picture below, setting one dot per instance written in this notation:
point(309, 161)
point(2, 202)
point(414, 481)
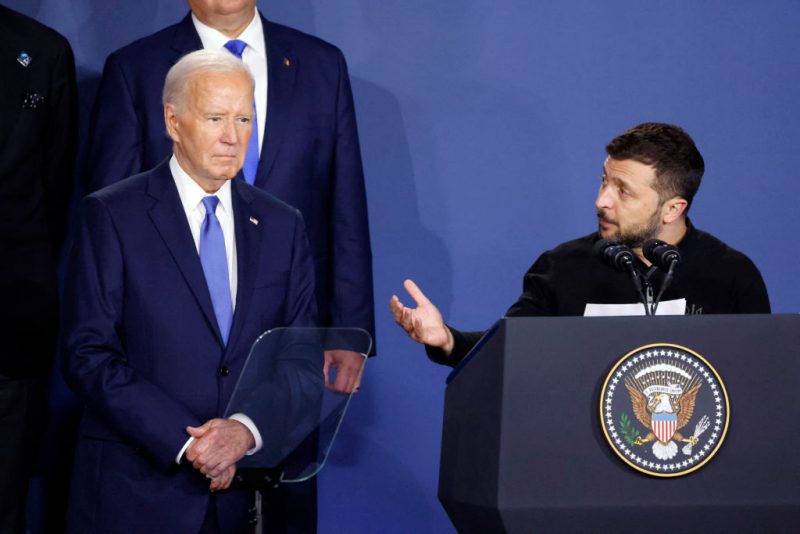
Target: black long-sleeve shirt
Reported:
point(712, 277)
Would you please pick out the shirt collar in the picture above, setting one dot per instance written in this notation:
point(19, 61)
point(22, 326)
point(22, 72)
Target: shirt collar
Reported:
point(213, 39)
point(191, 194)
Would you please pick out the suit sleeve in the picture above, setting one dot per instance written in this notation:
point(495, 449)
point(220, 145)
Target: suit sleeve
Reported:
point(351, 302)
point(60, 142)
point(95, 363)
point(301, 308)
point(115, 132)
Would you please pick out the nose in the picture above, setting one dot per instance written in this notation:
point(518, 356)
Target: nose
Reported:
point(604, 198)
point(229, 133)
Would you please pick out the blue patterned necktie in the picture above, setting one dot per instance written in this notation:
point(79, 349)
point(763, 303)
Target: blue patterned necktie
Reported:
point(236, 47)
point(215, 267)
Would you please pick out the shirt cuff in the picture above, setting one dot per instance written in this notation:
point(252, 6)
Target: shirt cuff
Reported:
point(183, 449)
point(246, 421)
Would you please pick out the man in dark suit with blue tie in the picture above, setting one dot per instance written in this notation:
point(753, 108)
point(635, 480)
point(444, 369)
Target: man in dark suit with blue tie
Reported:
point(174, 274)
point(305, 148)
point(306, 153)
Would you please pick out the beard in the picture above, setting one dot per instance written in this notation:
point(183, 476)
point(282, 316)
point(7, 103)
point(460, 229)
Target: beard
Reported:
point(635, 236)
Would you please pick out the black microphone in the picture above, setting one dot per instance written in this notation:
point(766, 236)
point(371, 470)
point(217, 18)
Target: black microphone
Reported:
point(616, 255)
point(661, 254)
point(664, 256)
point(621, 258)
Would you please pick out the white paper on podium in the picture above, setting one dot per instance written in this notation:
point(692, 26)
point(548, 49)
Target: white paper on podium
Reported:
point(668, 307)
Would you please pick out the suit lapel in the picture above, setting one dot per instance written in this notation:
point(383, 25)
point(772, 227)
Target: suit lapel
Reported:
point(170, 221)
point(282, 69)
point(185, 39)
point(247, 228)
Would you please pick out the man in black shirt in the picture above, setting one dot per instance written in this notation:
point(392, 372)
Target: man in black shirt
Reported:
point(650, 176)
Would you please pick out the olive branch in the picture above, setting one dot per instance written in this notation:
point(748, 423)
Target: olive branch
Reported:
point(629, 433)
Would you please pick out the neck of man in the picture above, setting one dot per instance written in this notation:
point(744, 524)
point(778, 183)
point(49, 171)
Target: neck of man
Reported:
point(671, 233)
point(231, 25)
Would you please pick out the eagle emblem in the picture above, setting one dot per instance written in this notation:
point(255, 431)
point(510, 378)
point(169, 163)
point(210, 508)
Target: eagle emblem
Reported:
point(680, 405)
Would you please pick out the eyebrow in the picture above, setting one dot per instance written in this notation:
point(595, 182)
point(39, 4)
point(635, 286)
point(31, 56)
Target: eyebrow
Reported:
point(617, 179)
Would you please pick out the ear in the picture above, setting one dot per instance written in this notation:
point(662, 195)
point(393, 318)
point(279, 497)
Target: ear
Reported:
point(673, 209)
point(171, 122)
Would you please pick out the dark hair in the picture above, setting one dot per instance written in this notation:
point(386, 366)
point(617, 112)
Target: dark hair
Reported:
point(678, 164)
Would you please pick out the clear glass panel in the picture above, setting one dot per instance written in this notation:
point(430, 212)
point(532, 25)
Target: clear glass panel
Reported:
point(282, 389)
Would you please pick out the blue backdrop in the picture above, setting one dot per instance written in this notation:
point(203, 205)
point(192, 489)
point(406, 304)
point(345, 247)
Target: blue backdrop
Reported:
point(482, 126)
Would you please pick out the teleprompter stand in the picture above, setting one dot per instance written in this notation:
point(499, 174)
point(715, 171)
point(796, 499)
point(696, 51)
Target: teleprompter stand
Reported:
point(282, 390)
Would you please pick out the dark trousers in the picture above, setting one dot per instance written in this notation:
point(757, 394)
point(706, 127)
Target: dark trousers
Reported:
point(22, 402)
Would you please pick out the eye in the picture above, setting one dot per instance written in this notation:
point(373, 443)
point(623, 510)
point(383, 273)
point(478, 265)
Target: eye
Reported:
point(214, 118)
point(244, 120)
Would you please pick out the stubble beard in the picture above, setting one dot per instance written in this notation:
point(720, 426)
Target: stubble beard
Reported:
point(635, 237)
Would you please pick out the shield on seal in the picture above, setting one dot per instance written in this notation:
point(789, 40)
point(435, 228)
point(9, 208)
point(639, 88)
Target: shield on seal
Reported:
point(664, 425)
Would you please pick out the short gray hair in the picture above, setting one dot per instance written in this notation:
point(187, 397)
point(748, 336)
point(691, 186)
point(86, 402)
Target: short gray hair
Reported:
point(199, 61)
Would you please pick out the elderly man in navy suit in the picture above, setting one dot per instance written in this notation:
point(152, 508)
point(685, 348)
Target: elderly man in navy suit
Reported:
point(175, 273)
point(304, 148)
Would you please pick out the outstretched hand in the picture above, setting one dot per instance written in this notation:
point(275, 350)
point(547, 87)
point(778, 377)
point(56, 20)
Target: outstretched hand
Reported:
point(424, 323)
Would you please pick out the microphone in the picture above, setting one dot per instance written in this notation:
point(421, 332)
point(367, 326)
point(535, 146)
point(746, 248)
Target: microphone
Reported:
point(617, 256)
point(621, 258)
point(661, 254)
point(664, 256)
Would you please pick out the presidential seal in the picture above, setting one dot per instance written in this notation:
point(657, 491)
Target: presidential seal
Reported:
point(664, 410)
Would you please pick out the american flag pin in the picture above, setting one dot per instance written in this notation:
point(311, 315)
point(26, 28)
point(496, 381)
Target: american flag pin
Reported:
point(254, 220)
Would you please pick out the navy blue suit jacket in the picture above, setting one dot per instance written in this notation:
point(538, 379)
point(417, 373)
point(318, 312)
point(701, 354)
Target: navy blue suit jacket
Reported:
point(310, 157)
point(144, 352)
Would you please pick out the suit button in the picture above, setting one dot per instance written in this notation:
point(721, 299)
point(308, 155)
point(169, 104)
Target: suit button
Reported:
point(223, 371)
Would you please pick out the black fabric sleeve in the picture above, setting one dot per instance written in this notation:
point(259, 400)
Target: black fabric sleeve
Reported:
point(750, 291)
point(463, 343)
point(538, 297)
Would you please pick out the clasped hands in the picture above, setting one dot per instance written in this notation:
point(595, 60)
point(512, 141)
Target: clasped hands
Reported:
point(218, 444)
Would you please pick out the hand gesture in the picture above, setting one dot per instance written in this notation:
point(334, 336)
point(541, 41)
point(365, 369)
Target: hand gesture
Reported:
point(424, 323)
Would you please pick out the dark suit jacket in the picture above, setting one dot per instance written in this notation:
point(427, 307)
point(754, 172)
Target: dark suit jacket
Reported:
point(143, 349)
point(310, 157)
point(38, 136)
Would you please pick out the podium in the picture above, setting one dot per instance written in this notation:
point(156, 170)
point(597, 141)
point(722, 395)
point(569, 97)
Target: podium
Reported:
point(523, 449)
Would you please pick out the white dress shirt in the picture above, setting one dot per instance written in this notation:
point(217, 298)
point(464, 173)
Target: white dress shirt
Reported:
point(191, 195)
point(254, 56)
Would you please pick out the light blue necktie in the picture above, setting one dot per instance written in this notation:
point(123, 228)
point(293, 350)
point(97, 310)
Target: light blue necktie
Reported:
point(215, 267)
point(236, 47)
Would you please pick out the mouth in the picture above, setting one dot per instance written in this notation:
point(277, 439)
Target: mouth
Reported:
point(605, 223)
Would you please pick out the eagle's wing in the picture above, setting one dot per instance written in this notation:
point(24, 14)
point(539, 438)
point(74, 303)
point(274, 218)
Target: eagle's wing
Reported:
point(686, 405)
point(639, 403)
